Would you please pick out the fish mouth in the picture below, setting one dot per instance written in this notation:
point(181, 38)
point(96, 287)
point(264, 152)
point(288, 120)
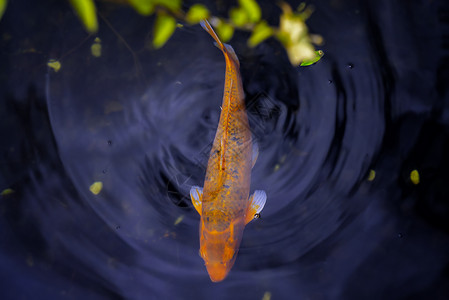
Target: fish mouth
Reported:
point(217, 271)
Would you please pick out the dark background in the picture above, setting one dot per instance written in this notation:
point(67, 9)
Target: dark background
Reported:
point(141, 121)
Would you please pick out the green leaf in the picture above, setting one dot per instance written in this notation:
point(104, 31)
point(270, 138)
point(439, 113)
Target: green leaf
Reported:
point(173, 5)
point(292, 28)
point(7, 191)
point(252, 9)
point(300, 52)
point(146, 7)
point(225, 31)
point(179, 220)
point(294, 36)
point(143, 7)
point(196, 13)
point(301, 7)
point(95, 48)
point(96, 187)
point(87, 13)
point(2, 7)
point(414, 176)
point(261, 32)
point(238, 16)
point(54, 64)
point(164, 27)
point(311, 61)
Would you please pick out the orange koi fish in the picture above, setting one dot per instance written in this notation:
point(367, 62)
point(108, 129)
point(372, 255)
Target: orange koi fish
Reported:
point(224, 203)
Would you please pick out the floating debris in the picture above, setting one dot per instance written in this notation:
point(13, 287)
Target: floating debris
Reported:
point(414, 176)
point(95, 49)
point(266, 296)
point(179, 220)
point(96, 187)
point(372, 175)
point(54, 64)
point(7, 192)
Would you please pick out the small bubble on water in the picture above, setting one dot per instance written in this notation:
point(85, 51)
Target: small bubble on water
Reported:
point(109, 142)
point(105, 171)
point(329, 81)
point(350, 66)
point(400, 235)
point(117, 227)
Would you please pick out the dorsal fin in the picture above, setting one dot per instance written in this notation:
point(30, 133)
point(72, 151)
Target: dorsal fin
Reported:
point(232, 54)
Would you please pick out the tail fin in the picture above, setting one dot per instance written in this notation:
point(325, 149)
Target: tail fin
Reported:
point(227, 49)
point(206, 26)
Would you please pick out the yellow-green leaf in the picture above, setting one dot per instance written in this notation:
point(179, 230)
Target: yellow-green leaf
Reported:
point(238, 16)
point(261, 32)
point(266, 296)
point(293, 34)
point(95, 49)
point(299, 52)
point(179, 220)
point(7, 191)
point(2, 7)
point(54, 64)
point(311, 61)
point(173, 5)
point(196, 13)
point(252, 9)
point(96, 187)
point(225, 31)
point(143, 7)
point(87, 13)
point(414, 176)
point(147, 7)
point(372, 175)
point(293, 28)
point(301, 7)
point(164, 27)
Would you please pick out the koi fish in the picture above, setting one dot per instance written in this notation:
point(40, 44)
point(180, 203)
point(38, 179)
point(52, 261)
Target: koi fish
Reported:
point(224, 203)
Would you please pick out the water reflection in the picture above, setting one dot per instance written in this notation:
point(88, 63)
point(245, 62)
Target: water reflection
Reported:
point(142, 123)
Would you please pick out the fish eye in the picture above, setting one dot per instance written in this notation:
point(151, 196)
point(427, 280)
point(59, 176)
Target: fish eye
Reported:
point(256, 216)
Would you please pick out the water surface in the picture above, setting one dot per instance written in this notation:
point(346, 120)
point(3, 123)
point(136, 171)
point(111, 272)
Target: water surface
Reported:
point(141, 121)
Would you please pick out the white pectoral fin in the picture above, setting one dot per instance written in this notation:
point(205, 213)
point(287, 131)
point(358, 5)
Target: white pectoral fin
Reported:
point(196, 194)
point(255, 153)
point(257, 202)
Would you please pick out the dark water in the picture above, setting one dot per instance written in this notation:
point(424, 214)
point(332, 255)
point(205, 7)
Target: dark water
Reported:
point(141, 121)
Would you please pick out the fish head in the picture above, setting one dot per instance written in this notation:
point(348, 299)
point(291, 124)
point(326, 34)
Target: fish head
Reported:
point(219, 249)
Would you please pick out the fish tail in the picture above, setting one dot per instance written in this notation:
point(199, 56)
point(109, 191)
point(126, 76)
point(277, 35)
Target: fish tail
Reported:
point(225, 48)
point(206, 26)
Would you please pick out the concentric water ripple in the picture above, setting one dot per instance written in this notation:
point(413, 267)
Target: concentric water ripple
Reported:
point(141, 122)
